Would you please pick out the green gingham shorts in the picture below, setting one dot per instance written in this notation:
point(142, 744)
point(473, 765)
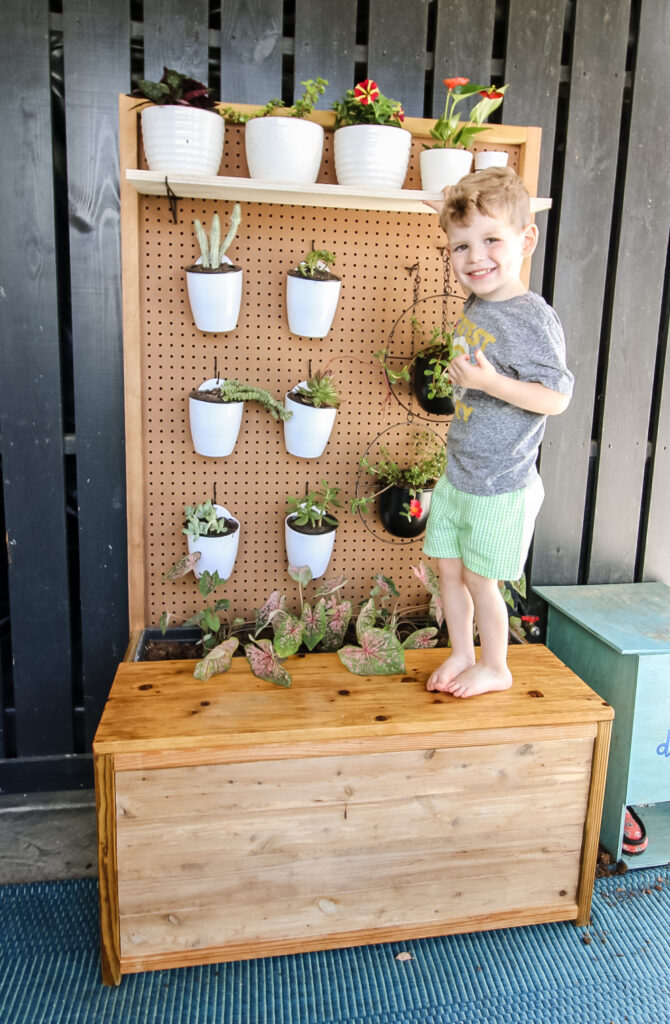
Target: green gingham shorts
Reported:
point(491, 534)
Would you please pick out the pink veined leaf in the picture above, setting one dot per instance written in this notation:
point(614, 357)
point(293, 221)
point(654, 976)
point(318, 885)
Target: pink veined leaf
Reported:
point(183, 566)
point(337, 621)
point(287, 633)
point(380, 654)
point(330, 585)
point(217, 660)
point(366, 618)
point(385, 585)
point(265, 664)
point(426, 575)
point(314, 623)
point(301, 575)
point(420, 639)
point(266, 614)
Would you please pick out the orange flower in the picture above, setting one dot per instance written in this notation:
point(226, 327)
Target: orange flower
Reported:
point(491, 93)
point(366, 92)
point(451, 83)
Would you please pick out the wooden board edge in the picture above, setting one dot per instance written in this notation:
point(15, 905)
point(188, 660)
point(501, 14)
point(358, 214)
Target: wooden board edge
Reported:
point(105, 803)
point(587, 868)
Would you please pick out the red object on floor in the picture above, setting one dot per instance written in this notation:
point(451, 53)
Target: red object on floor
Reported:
point(634, 833)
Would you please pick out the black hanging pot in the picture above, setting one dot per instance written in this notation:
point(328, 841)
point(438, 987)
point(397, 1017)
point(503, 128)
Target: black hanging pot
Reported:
point(423, 375)
point(391, 503)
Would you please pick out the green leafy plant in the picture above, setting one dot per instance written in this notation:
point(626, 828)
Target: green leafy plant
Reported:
point(302, 107)
point(212, 249)
point(237, 391)
point(427, 465)
point(448, 132)
point(175, 89)
point(316, 261)
point(202, 521)
point(315, 508)
point(438, 353)
point(319, 391)
point(365, 104)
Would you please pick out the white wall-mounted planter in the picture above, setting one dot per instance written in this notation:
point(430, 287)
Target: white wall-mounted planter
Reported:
point(286, 150)
point(312, 549)
point(311, 305)
point(490, 158)
point(215, 297)
point(214, 425)
point(372, 155)
point(182, 140)
point(307, 432)
point(217, 553)
point(442, 167)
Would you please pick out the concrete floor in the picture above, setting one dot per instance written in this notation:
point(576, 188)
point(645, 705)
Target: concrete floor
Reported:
point(47, 836)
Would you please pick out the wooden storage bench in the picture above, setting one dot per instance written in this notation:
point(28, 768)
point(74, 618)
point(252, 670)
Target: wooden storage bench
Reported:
point(237, 819)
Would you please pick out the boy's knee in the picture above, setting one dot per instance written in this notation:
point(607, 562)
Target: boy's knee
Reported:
point(450, 569)
point(477, 583)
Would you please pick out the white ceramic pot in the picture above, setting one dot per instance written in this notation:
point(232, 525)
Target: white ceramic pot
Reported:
point(490, 158)
point(218, 553)
point(215, 297)
point(307, 432)
point(182, 140)
point(214, 425)
point(287, 150)
point(314, 549)
point(372, 155)
point(442, 167)
point(311, 305)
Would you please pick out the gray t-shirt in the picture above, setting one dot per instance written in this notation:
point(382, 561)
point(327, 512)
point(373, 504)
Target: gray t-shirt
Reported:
point(491, 445)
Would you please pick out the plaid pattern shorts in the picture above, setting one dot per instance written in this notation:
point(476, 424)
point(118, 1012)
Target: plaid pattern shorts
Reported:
point(491, 534)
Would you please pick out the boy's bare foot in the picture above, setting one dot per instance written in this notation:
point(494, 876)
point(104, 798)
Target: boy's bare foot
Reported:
point(479, 679)
point(446, 673)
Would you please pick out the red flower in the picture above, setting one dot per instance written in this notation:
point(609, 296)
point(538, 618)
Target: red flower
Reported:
point(400, 114)
point(491, 93)
point(451, 83)
point(415, 508)
point(366, 92)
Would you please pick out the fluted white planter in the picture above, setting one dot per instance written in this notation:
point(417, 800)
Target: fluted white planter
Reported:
point(182, 140)
point(215, 297)
point(214, 425)
point(307, 432)
point(311, 304)
point(442, 167)
point(287, 150)
point(218, 552)
point(490, 158)
point(312, 549)
point(372, 155)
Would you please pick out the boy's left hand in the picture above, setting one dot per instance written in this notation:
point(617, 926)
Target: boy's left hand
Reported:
point(479, 376)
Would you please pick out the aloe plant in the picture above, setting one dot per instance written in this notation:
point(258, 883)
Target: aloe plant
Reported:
point(212, 249)
point(319, 391)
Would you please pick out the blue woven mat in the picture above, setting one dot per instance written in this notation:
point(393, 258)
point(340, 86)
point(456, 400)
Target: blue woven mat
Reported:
point(544, 974)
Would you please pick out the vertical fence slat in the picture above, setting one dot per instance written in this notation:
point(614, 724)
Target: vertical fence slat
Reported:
point(176, 35)
point(251, 50)
point(581, 271)
point(641, 260)
point(30, 389)
point(325, 46)
point(397, 50)
point(656, 565)
point(97, 67)
point(463, 44)
point(533, 69)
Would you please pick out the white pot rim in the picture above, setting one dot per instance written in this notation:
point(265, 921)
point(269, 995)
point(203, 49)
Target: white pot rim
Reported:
point(396, 127)
point(326, 529)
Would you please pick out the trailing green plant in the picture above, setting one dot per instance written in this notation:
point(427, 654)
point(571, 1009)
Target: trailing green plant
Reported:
point(212, 249)
point(202, 521)
point(425, 467)
point(175, 89)
point(237, 391)
point(437, 351)
point(319, 391)
point(316, 507)
point(365, 104)
point(302, 107)
point(380, 650)
point(317, 260)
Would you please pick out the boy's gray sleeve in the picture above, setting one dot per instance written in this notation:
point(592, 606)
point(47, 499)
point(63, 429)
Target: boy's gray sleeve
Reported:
point(539, 354)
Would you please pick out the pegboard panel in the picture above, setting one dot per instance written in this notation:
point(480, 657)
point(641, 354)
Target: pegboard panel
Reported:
point(378, 256)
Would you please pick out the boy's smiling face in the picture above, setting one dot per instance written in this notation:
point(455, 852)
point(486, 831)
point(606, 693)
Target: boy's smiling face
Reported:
point(487, 254)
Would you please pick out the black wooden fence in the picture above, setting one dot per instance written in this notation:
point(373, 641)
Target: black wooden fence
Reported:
point(593, 73)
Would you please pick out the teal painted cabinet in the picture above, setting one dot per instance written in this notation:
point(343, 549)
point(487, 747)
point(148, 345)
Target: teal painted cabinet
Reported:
point(616, 637)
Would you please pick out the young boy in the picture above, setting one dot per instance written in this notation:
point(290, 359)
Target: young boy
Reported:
point(508, 374)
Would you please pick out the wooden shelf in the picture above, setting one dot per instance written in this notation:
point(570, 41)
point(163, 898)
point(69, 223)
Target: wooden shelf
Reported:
point(152, 183)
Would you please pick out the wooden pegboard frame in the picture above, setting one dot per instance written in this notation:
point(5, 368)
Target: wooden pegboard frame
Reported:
point(165, 356)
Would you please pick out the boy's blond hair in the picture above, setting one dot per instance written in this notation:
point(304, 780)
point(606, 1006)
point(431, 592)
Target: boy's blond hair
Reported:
point(493, 192)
